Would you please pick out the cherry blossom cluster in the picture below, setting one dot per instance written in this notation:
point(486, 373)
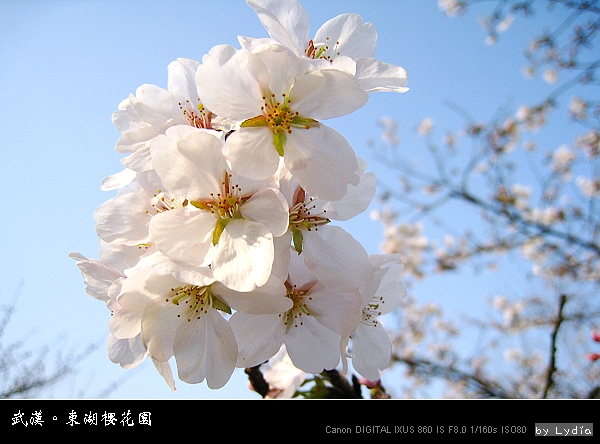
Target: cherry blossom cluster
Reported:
point(218, 249)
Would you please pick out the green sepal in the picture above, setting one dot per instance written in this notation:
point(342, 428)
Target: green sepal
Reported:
point(219, 227)
point(200, 205)
point(297, 239)
point(254, 122)
point(279, 138)
point(304, 122)
point(220, 305)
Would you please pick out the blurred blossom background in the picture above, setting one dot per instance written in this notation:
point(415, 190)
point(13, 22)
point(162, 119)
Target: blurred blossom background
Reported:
point(66, 65)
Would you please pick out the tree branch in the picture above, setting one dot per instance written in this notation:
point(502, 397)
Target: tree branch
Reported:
point(552, 364)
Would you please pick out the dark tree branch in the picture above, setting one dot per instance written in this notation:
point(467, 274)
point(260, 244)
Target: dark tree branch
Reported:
point(552, 364)
point(257, 380)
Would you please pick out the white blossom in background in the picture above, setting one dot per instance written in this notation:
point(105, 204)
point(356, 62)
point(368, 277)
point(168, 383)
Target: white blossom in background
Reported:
point(425, 126)
point(550, 76)
point(562, 160)
point(390, 131)
point(218, 249)
point(451, 7)
point(578, 108)
point(282, 376)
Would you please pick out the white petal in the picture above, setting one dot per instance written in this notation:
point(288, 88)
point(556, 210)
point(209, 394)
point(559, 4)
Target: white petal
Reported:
point(190, 166)
point(268, 207)
point(207, 349)
point(322, 161)
point(336, 310)
point(125, 324)
point(128, 353)
point(244, 255)
point(124, 217)
point(267, 299)
point(348, 36)
point(357, 199)
point(327, 93)
point(135, 140)
point(250, 152)
point(275, 69)
point(258, 336)
point(336, 258)
point(118, 180)
point(182, 79)
point(312, 346)
point(124, 118)
point(98, 276)
point(391, 289)
point(371, 350)
point(184, 234)
point(159, 325)
point(374, 75)
point(164, 369)
point(286, 21)
point(283, 250)
point(154, 105)
point(226, 87)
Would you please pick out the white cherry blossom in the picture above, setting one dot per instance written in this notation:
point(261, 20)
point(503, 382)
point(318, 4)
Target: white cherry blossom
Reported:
point(331, 253)
point(342, 37)
point(371, 347)
point(228, 222)
point(103, 282)
point(279, 106)
point(311, 330)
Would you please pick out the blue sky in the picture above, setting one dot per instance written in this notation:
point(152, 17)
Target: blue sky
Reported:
point(66, 65)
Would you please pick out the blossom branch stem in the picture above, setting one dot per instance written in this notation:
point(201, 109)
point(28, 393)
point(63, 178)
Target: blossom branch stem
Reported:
point(552, 364)
point(515, 218)
point(257, 381)
point(343, 389)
